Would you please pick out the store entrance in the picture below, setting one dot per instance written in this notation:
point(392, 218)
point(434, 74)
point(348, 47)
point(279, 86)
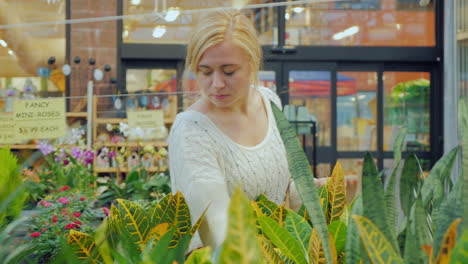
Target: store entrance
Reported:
point(359, 107)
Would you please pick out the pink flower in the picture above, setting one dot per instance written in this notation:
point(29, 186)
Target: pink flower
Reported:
point(35, 234)
point(77, 214)
point(82, 198)
point(47, 204)
point(54, 218)
point(63, 200)
point(71, 225)
point(106, 210)
point(77, 222)
point(64, 188)
point(44, 229)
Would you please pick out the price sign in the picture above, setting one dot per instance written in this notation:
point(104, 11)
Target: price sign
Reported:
point(42, 118)
point(7, 129)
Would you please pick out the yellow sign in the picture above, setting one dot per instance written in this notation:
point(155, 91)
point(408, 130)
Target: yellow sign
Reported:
point(42, 118)
point(145, 119)
point(7, 128)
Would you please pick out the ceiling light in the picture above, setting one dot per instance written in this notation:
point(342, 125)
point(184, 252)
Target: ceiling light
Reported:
point(136, 2)
point(172, 14)
point(346, 33)
point(159, 31)
point(125, 34)
point(286, 16)
point(11, 52)
point(3, 43)
point(298, 9)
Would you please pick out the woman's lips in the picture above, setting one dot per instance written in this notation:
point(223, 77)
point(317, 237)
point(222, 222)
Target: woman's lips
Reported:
point(220, 96)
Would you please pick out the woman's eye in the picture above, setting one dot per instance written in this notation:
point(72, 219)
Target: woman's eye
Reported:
point(206, 73)
point(229, 73)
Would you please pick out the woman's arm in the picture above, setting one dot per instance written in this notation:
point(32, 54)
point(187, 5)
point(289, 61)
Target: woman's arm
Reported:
point(195, 171)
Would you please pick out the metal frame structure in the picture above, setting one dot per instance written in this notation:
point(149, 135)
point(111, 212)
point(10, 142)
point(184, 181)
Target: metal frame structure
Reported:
point(282, 58)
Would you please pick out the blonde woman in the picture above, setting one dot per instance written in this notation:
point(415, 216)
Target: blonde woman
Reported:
point(228, 138)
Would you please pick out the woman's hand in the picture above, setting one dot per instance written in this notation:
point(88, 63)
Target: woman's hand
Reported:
point(320, 181)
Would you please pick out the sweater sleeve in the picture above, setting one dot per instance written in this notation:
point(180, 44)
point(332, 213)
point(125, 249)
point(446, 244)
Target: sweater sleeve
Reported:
point(195, 172)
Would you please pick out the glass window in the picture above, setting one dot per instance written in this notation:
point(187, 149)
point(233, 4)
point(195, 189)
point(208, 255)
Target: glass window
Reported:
point(148, 89)
point(310, 92)
point(361, 23)
point(25, 51)
point(406, 102)
point(356, 111)
point(172, 20)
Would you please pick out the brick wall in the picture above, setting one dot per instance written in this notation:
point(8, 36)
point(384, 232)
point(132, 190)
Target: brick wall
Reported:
point(96, 40)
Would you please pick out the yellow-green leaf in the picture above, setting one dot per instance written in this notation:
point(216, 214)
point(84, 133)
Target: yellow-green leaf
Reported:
point(448, 243)
point(378, 248)
point(460, 252)
point(157, 232)
point(315, 249)
point(180, 212)
point(336, 194)
point(160, 213)
point(199, 222)
point(82, 244)
point(279, 215)
point(267, 207)
point(299, 228)
point(281, 238)
point(200, 256)
point(241, 245)
point(100, 238)
point(269, 254)
point(134, 220)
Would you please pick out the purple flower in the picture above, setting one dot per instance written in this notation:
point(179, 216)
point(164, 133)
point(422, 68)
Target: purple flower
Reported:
point(88, 157)
point(66, 162)
point(45, 148)
point(62, 155)
point(112, 154)
point(76, 152)
point(10, 93)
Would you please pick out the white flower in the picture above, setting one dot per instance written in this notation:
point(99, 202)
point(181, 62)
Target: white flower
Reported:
point(109, 127)
point(124, 129)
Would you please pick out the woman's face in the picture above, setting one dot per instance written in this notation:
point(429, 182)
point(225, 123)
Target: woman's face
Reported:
point(223, 75)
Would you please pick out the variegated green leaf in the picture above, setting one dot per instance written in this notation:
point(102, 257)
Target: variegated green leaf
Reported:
point(160, 213)
point(439, 173)
point(448, 243)
point(267, 207)
point(373, 198)
point(417, 235)
point(268, 250)
point(450, 210)
point(299, 228)
point(135, 220)
point(180, 212)
point(241, 244)
point(323, 196)
point(315, 249)
point(390, 203)
point(303, 178)
point(353, 243)
point(279, 215)
point(463, 121)
point(409, 178)
point(338, 231)
point(281, 238)
point(199, 222)
point(378, 248)
point(460, 252)
point(82, 244)
point(115, 225)
point(398, 144)
point(200, 256)
point(157, 232)
point(336, 193)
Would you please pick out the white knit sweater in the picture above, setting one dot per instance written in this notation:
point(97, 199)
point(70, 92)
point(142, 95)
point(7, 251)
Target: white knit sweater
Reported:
point(206, 166)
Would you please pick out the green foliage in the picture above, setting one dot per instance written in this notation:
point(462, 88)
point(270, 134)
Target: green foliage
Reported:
point(463, 121)
point(299, 228)
point(303, 178)
point(353, 243)
point(200, 256)
point(460, 252)
point(417, 233)
point(378, 248)
point(408, 181)
point(10, 180)
point(137, 185)
point(241, 244)
point(338, 231)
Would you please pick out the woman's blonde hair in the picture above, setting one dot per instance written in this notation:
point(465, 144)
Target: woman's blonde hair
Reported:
point(217, 26)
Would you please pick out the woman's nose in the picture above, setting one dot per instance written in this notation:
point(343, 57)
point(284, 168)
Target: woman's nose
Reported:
point(218, 80)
